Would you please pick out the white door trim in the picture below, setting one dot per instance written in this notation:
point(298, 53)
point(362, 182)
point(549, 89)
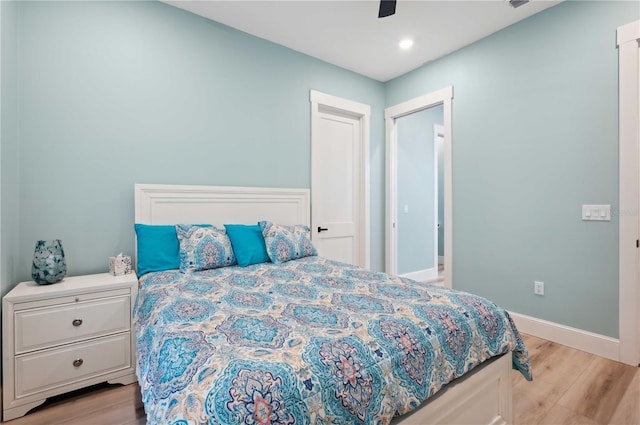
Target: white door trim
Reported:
point(441, 97)
point(628, 37)
point(438, 133)
point(322, 101)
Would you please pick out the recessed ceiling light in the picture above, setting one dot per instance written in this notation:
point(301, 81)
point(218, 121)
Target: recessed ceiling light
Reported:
point(406, 43)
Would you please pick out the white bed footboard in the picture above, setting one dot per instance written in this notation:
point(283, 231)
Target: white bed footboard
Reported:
point(480, 397)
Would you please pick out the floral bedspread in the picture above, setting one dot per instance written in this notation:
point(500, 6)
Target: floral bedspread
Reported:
point(310, 341)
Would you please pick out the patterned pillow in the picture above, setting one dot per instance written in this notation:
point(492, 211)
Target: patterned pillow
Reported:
point(286, 243)
point(203, 248)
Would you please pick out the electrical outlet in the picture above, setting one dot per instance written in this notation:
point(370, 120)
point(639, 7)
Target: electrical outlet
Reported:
point(538, 288)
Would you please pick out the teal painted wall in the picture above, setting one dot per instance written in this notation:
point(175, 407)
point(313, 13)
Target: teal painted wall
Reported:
point(416, 190)
point(535, 136)
point(117, 93)
point(9, 217)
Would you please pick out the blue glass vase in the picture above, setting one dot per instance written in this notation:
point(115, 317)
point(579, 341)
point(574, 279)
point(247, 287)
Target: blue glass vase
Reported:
point(49, 265)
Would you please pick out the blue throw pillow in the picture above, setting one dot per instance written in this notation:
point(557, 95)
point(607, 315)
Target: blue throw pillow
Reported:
point(158, 248)
point(248, 244)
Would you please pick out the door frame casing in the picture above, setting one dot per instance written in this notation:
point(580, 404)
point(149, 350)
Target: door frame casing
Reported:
point(628, 39)
point(443, 97)
point(438, 130)
point(329, 103)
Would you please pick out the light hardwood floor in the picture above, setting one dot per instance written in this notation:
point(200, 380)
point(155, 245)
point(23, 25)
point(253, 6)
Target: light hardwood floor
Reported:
point(570, 387)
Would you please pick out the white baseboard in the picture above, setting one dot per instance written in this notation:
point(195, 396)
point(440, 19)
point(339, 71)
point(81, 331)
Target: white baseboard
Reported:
point(422, 275)
point(440, 259)
point(593, 343)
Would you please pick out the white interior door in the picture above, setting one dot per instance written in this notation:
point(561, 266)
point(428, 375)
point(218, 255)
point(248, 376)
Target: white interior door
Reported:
point(628, 40)
point(335, 185)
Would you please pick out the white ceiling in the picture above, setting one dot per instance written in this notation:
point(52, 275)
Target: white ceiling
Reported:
point(350, 35)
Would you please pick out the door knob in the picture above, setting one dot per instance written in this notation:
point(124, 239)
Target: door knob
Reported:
point(322, 229)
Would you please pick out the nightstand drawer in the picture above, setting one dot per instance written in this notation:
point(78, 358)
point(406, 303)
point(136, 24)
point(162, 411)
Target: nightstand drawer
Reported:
point(50, 326)
point(53, 368)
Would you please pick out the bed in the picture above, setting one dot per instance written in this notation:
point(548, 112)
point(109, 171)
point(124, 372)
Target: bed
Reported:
point(310, 341)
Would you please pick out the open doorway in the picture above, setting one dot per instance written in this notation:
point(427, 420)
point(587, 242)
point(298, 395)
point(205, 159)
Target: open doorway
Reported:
point(417, 194)
point(419, 191)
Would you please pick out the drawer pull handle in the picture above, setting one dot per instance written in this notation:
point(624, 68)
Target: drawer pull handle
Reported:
point(77, 322)
point(78, 362)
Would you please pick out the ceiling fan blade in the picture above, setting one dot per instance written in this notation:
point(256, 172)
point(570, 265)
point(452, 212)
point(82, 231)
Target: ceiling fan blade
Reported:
point(387, 8)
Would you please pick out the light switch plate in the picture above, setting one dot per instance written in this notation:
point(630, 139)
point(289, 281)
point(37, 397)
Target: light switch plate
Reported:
point(596, 212)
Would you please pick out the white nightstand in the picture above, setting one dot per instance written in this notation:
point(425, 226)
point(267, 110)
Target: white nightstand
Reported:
point(68, 335)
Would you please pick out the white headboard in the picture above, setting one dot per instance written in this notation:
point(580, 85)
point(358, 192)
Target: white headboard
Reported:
point(218, 205)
